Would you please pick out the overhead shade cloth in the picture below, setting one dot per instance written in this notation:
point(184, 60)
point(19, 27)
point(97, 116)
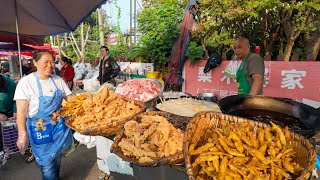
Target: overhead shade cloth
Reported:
point(44, 17)
point(10, 46)
point(12, 37)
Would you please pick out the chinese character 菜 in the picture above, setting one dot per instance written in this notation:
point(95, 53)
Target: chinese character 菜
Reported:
point(204, 77)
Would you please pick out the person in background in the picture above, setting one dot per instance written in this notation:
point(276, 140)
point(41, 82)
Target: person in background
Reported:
point(57, 64)
point(5, 68)
point(89, 69)
point(57, 67)
point(67, 71)
point(79, 64)
point(29, 68)
point(56, 71)
point(7, 104)
point(108, 68)
point(250, 75)
point(79, 69)
point(96, 63)
point(37, 96)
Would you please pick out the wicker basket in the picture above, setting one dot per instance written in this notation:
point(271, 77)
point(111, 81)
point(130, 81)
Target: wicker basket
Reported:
point(197, 133)
point(109, 129)
point(176, 121)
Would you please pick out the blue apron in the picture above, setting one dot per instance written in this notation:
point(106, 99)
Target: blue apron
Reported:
point(48, 139)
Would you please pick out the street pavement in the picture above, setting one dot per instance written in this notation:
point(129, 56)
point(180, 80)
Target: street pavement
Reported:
point(79, 165)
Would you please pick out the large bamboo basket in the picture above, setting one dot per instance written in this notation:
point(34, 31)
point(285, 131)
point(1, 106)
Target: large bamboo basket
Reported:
point(109, 129)
point(176, 121)
point(196, 133)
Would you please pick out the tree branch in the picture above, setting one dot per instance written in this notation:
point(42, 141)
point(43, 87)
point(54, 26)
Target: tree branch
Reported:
point(75, 42)
point(63, 53)
point(72, 43)
point(87, 36)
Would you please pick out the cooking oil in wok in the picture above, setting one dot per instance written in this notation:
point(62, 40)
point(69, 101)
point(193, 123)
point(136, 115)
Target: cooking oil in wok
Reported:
point(294, 124)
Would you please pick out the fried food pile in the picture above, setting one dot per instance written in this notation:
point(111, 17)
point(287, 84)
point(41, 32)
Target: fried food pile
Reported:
point(70, 107)
point(241, 151)
point(102, 109)
point(73, 105)
point(152, 138)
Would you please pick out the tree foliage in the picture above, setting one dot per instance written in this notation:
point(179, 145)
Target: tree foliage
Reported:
point(158, 23)
point(92, 47)
point(264, 22)
point(194, 52)
point(278, 26)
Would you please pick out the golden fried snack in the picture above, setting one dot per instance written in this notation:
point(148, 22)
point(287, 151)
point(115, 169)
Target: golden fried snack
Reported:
point(70, 107)
point(241, 151)
point(151, 138)
point(104, 108)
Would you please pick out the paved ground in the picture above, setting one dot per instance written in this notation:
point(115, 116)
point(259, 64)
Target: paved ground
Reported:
point(79, 165)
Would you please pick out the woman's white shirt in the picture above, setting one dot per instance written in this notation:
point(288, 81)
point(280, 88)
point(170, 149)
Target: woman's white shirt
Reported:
point(27, 89)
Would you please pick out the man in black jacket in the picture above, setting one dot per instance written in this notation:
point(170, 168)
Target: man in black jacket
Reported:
point(108, 68)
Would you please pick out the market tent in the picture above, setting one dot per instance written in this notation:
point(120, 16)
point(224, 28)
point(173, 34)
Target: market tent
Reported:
point(12, 38)
point(23, 54)
point(11, 46)
point(44, 17)
point(7, 49)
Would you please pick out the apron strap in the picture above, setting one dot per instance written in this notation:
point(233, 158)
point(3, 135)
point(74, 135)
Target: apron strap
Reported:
point(245, 61)
point(54, 83)
point(39, 85)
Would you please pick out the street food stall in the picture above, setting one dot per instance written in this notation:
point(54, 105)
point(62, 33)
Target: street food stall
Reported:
point(143, 132)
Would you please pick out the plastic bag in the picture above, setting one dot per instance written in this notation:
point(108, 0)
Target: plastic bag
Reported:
point(155, 75)
point(232, 68)
point(213, 61)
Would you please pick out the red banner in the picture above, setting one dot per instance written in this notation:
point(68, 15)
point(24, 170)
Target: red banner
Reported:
point(296, 80)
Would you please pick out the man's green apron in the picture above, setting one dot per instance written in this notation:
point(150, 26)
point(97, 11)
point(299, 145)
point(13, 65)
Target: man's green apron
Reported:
point(242, 82)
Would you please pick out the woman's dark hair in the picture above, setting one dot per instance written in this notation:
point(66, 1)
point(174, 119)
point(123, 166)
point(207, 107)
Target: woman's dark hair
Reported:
point(104, 47)
point(66, 60)
point(69, 61)
point(38, 54)
point(2, 82)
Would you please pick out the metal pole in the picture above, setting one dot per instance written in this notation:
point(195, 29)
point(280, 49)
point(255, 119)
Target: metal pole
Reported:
point(130, 36)
point(100, 22)
point(59, 47)
point(18, 38)
point(135, 22)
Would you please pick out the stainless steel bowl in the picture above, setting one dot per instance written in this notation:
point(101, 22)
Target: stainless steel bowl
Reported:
point(151, 102)
point(208, 97)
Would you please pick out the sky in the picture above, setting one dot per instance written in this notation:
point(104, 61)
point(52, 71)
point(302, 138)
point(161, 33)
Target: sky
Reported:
point(125, 12)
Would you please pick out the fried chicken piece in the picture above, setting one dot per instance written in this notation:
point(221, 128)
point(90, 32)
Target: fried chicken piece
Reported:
point(145, 159)
point(129, 128)
point(126, 145)
point(148, 132)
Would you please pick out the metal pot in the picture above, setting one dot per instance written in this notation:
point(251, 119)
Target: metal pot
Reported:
point(208, 97)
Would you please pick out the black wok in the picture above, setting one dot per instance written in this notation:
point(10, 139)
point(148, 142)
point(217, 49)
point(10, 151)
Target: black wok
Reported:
point(299, 117)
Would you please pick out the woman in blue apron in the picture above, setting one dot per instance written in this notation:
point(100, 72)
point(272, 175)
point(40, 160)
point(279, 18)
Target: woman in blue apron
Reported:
point(48, 139)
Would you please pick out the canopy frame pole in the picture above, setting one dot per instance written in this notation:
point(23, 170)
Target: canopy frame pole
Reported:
point(18, 37)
